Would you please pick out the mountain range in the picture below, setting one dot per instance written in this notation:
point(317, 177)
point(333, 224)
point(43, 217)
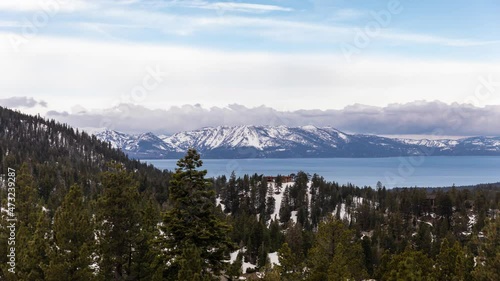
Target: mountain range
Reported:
point(289, 142)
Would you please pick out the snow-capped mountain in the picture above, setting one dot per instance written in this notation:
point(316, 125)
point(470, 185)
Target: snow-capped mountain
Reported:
point(288, 142)
point(141, 146)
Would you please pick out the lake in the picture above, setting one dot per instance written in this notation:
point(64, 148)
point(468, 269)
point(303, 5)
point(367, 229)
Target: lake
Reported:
point(422, 171)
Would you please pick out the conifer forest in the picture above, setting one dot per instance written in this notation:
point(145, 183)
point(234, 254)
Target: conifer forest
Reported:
point(74, 208)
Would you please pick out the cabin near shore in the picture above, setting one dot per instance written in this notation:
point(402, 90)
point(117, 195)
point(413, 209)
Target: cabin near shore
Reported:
point(284, 179)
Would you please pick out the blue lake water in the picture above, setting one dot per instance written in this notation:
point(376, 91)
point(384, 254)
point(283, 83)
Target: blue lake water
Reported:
point(422, 171)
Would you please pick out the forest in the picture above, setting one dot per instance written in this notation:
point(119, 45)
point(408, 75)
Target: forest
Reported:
point(85, 211)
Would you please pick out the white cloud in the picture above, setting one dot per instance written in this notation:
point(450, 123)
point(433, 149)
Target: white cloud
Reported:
point(282, 30)
point(348, 14)
point(247, 7)
point(47, 5)
point(221, 6)
point(4, 23)
point(415, 118)
point(21, 102)
point(97, 74)
point(434, 40)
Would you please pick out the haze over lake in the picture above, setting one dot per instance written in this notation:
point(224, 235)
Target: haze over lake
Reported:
point(431, 171)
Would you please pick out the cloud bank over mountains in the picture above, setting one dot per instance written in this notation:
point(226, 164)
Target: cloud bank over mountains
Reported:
point(22, 102)
point(414, 118)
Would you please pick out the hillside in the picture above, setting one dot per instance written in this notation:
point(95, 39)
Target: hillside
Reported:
point(84, 211)
point(60, 155)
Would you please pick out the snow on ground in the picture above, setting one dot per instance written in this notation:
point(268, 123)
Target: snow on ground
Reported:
point(343, 212)
point(218, 202)
point(233, 256)
point(426, 222)
point(357, 200)
point(273, 259)
point(309, 195)
point(278, 198)
point(245, 265)
point(472, 221)
point(293, 217)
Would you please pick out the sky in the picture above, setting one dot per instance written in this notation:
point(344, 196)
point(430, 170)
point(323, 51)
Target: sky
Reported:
point(167, 66)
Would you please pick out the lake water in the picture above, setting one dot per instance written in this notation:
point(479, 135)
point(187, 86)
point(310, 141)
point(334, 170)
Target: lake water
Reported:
point(422, 171)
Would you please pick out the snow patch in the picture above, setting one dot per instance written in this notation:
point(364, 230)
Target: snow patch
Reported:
point(293, 217)
point(273, 259)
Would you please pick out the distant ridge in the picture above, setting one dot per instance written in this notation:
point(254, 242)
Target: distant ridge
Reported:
point(290, 142)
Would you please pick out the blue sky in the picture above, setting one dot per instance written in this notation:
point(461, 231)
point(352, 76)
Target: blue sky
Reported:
point(449, 29)
point(91, 56)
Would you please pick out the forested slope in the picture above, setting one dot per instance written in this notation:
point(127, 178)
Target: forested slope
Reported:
point(84, 211)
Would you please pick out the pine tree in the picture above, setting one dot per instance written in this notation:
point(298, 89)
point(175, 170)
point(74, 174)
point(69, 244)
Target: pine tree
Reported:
point(192, 220)
point(233, 201)
point(190, 263)
point(33, 229)
point(33, 249)
point(147, 249)
point(348, 260)
point(285, 208)
point(488, 267)
point(73, 238)
point(290, 267)
point(409, 265)
point(234, 270)
point(27, 201)
point(452, 263)
point(334, 242)
point(270, 203)
point(118, 223)
point(423, 238)
point(294, 239)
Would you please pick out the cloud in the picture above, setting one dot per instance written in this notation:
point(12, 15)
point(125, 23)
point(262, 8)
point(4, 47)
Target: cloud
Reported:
point(162, 16)
point(434, 40)
point(98, 75)
point(348, 14)
point(49, 6)
point(233, 6)
point(415, 118)
point(21, 102)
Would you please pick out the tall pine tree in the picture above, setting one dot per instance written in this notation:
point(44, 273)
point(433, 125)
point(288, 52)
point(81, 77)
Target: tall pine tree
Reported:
point(191, 226)
point(73, 237)
point(118, 224)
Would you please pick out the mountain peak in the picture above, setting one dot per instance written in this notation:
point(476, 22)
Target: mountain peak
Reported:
point(285, 142)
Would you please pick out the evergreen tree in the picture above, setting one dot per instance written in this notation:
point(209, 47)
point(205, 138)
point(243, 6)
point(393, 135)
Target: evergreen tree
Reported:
point(290, 266)
point(118, 224)
point(234, 270)
point(190, 263)
point(488, 262)
point(348, 260)
point(409, 265)
point(452, 263)
point(270, 204)
point(27, 200)
point(33, 229)
point(192, 221)
point(285, 208)
point(423, 238)
point(334, 242)
point(33, 250)
point(73, 237)
point(147, 249)
point(232, 202)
